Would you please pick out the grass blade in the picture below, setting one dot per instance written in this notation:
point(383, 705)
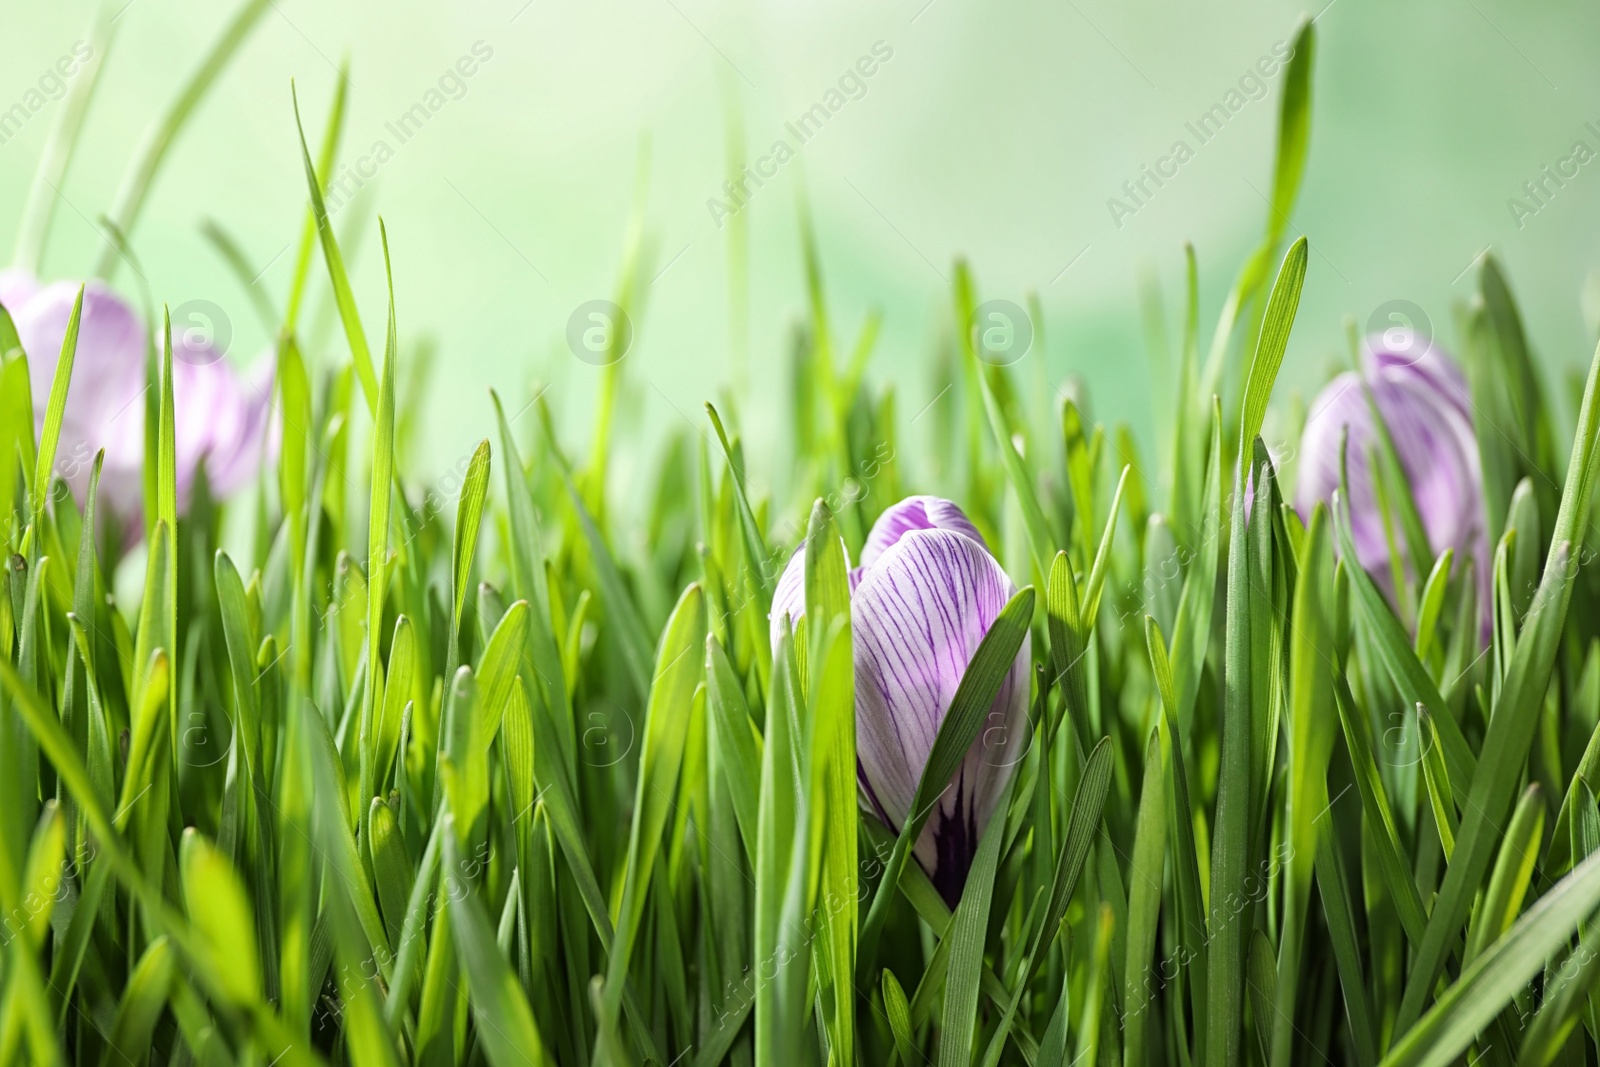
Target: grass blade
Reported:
point(966, 937)
point(55, 410)
point(1144, 903)
point(1487, 984)
point(1311, 715)
point(1515, 714)
point(665, 728)
point(136, 184)
point(506, 1026)
point(343, 297)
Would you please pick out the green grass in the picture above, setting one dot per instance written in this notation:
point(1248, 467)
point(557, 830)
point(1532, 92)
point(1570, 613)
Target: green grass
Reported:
point(527, 784)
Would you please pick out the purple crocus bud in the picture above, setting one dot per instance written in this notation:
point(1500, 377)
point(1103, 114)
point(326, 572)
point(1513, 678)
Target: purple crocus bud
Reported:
point(223, 418)
point(915, 513)
point(1424, 404)
point(922, 600)
point(918, 616)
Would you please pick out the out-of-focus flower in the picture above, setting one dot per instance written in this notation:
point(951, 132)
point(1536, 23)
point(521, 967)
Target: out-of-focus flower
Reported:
point(16, 286)
point(926, 594)
point(222, 417)
point(1423, 401)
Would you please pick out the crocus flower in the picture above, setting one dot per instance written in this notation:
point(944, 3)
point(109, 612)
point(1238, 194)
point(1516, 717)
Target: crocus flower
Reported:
point(1424, 403)
point(926, 594)
point(222, 417)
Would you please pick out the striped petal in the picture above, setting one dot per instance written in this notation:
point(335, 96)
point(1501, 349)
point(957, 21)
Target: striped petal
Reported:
point(919, 615)
point(915, 513)
point(789, 596)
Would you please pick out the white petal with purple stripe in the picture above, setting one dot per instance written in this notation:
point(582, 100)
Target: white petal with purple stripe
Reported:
point(915, 513)
point(789, 596)
point(919, 615)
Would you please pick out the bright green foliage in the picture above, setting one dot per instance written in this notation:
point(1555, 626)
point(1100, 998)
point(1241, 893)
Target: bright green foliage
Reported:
point(507, 771)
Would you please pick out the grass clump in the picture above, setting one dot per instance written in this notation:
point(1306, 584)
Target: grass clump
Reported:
point(521, 774)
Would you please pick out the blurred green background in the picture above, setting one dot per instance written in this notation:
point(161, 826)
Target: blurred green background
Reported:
point(994, 131)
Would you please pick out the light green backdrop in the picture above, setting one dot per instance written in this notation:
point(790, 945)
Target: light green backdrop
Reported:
point(997, 131)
